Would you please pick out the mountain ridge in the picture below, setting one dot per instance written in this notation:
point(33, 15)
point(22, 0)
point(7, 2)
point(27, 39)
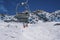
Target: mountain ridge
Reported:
point(42, 15)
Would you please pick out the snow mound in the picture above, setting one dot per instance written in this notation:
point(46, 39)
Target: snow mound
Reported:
point(39, 31)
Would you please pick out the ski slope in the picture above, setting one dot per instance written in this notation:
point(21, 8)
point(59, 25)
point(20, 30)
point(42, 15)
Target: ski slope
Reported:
point(39, 31)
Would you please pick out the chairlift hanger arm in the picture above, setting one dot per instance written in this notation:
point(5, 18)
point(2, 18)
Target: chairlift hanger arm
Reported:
point(25, 4)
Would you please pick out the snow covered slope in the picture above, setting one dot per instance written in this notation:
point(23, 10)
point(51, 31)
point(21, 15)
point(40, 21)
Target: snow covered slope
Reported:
point(46, 16)
point(39, 31)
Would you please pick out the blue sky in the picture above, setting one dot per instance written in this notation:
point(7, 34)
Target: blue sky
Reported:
point(8, 6)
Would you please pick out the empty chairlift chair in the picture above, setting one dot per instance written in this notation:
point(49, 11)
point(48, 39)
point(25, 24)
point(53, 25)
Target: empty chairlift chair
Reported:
point(23, 17)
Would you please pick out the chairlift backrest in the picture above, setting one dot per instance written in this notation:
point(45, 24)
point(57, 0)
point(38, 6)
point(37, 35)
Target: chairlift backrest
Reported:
point(23, 17)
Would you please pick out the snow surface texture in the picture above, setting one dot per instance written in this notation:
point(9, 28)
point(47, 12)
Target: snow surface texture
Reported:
point(39, 31)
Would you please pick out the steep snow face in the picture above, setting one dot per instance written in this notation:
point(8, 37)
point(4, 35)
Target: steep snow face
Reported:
point(58, 11)
point(46, 16)
point(33, 18)
point(43, 15)
point(55, 16)
point(39, 31)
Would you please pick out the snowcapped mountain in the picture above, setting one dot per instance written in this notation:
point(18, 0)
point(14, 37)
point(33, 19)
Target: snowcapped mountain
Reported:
point(43, 15)
point(46, 16)
point(34, 16)
point(55, 16)
point(7, 18)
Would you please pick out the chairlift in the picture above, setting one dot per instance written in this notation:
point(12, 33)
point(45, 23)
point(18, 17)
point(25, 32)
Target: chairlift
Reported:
point(23, 17)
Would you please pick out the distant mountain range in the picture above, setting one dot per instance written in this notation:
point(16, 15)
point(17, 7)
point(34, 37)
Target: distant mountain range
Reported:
point(33, 17)
point(46, 16)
